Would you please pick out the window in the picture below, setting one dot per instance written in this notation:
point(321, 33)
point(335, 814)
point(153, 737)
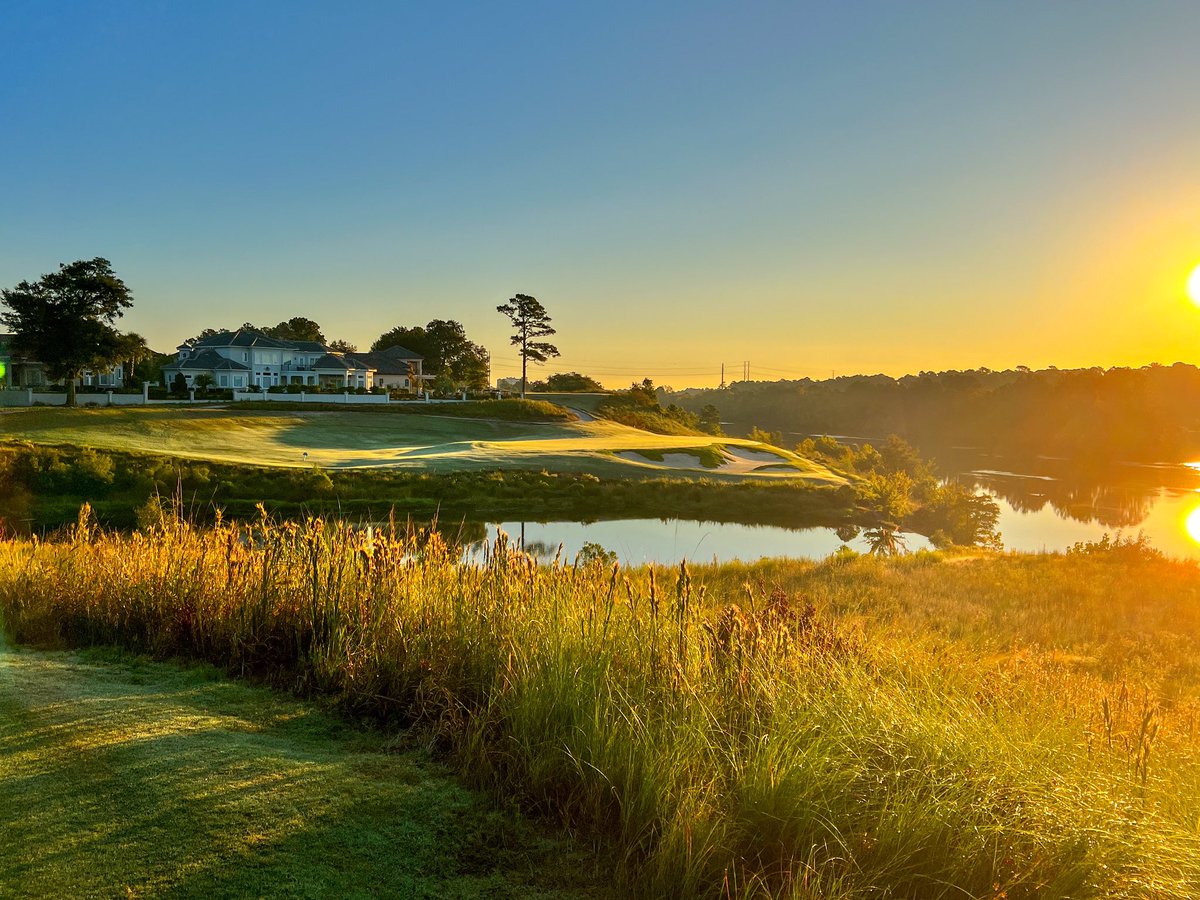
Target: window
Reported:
point(224, 381)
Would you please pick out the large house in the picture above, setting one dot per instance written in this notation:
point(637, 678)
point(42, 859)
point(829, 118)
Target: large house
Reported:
point(19, 371)
point(246, 358)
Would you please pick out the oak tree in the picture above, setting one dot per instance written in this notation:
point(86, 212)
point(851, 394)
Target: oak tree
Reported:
point(65, 318)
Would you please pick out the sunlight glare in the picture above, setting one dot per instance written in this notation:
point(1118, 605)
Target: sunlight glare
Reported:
point(1192, 524)
point(1193, 287)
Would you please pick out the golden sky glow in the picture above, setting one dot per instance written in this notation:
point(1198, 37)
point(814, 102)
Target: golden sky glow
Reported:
point(814, 189)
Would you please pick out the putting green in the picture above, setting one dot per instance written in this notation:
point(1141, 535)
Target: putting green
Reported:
point(358, 439)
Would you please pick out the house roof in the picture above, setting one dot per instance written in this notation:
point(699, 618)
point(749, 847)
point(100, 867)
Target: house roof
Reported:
point(341, 363)
point(392, 359)
point(244, 337)
point(209, 359)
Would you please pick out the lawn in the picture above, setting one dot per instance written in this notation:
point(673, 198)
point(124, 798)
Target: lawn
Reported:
point(358, 439)
point(123, 777)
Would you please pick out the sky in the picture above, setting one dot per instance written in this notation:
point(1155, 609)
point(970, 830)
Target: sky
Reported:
point(851, 187)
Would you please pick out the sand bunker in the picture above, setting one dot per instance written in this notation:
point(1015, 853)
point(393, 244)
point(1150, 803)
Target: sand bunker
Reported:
point(737, 461)
point(761, 456)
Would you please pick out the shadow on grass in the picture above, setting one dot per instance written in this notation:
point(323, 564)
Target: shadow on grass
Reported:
point(124, 777)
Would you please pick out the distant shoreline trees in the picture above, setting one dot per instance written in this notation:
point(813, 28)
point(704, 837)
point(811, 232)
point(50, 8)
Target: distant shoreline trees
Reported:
point(1149, 414)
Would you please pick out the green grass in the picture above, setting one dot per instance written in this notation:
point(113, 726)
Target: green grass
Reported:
point(508, 410)
point(124, 777)
point(587, 402)
point(354, 439)
point(935, 726)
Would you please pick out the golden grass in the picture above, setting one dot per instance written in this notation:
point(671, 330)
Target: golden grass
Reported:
point(923, 727)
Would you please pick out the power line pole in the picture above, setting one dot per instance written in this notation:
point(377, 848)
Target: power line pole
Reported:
point(722, 387)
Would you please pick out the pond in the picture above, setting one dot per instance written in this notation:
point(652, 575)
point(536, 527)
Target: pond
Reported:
point(670, 541)
point(1045, 505)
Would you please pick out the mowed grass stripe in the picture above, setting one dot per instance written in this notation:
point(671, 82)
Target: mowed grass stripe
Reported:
point(123, 777)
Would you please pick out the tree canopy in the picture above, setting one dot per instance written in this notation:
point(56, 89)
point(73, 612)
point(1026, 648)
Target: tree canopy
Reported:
point(297, 328)
point(530, 321)
point(446, 349)
point(65, 318)
point(568, 382)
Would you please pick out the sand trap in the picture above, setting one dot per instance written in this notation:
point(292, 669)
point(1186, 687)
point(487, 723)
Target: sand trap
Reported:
point(669, 460)
point(738, 461)
point(761, 456)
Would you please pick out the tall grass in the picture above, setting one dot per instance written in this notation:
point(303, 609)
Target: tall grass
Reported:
point(718, 745)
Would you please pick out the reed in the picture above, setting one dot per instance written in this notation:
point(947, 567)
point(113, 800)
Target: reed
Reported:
point(720, 741)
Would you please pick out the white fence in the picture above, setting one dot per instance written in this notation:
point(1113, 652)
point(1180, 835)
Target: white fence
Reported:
point(30, 397)
point(303, 397)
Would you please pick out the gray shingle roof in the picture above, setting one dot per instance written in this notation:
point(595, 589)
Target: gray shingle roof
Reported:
point(393, 359)
point(209, 359)
point(341, 363)
point(244, 337)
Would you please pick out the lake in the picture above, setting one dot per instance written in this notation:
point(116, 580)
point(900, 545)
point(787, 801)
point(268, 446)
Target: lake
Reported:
point(1045, 504)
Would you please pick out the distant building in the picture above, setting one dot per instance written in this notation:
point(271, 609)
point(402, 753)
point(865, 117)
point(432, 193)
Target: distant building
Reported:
point(508, 384)
point(20, 371)
point(396, 367)
point(242, 358)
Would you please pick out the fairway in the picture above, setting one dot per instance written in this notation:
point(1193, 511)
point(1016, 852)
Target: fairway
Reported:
point(361, 439)
point(123, 777)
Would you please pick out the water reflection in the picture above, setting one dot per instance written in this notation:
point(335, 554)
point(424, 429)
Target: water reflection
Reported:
point(1049, 504)
point(670, 541)
point(1116, 496)
point(1191, 524)
point(1115, 506)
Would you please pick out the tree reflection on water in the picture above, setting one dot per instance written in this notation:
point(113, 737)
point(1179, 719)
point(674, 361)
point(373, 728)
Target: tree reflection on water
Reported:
point(1117, 496)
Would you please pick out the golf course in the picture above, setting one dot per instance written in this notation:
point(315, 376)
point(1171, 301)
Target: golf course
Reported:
point(386, 438)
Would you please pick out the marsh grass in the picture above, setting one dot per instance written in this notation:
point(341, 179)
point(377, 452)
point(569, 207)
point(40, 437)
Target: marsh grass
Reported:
point(794, 731)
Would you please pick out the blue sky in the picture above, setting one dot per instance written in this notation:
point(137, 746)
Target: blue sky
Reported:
point(851, 186)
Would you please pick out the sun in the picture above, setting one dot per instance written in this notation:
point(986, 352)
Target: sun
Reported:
point(1194, 286)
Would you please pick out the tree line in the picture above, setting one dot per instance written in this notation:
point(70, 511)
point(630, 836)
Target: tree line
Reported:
point(1149, 414)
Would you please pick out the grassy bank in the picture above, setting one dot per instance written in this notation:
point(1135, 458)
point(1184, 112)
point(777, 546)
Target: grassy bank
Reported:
point(933, 726)
point(520, 437)
point(45, 486)
point(123, 777)
point(508, 410)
